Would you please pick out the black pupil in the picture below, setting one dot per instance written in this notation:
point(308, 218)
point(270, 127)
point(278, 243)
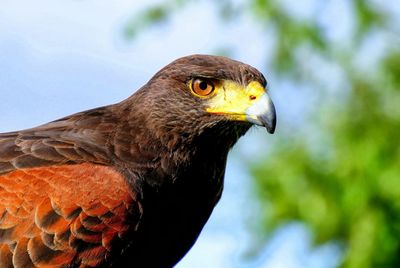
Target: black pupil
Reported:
point(203, 85)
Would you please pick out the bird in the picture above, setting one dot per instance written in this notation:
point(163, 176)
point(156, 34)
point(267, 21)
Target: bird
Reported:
point(133, 183)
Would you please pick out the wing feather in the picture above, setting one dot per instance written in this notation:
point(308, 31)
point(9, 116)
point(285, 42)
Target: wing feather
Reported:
point(75, 139)
point(62, 202)
point(74, 215)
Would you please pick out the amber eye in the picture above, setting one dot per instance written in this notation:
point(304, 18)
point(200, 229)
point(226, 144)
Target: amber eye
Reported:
point(202, 87)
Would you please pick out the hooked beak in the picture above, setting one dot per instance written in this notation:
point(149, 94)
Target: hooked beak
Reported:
point(251, 103)
point(263, 113)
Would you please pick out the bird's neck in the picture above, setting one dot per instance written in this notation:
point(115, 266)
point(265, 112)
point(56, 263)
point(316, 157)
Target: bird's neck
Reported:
point(167, 149)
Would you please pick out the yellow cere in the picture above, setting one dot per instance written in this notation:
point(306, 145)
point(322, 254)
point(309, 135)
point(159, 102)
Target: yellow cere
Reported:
point(233, 99)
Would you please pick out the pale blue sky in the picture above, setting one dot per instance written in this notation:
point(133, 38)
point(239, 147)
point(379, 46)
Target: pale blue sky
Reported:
point(64, 57)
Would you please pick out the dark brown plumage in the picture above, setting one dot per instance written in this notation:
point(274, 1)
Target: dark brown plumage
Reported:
point(130, 183)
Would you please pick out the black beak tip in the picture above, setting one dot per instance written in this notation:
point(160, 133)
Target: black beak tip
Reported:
point(270, 129)
point(269, 121)
point(271, 126)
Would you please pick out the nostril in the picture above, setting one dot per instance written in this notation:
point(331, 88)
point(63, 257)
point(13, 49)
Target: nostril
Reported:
point(252, 97)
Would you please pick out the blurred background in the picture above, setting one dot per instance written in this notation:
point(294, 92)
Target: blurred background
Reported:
point(324, 191)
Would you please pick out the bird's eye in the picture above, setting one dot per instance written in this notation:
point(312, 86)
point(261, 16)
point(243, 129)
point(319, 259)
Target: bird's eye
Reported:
point(202, 87)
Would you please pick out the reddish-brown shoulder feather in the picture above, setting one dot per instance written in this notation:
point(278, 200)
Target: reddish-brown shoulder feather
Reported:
point(54, 216)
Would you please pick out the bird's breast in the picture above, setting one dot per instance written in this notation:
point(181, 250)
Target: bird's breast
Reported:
point(176, 206)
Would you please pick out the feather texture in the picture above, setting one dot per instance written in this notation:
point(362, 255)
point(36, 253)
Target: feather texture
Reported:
point(63, 214)
point(129, 184)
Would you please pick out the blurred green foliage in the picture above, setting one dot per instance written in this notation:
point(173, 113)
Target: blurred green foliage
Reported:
point(344, 182)
point(153, 15)
point(345, 186)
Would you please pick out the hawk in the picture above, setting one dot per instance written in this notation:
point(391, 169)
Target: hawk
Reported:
point(133, 183)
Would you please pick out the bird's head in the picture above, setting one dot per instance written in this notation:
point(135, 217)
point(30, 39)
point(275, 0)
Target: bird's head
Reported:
point(200, 92)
